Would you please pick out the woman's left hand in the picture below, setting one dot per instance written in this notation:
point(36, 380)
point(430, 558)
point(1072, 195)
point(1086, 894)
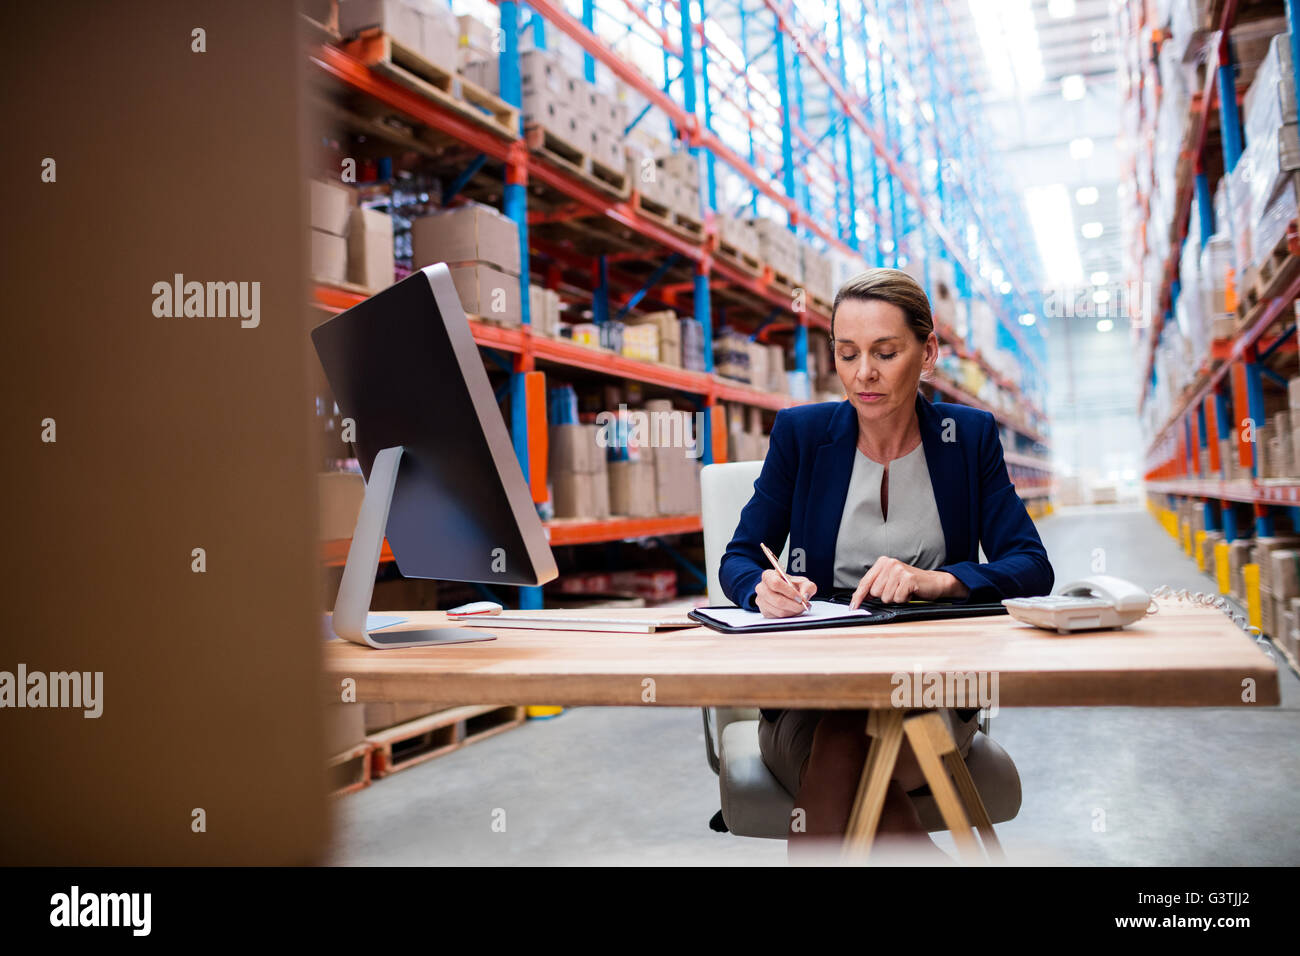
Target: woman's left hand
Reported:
point(893, 582)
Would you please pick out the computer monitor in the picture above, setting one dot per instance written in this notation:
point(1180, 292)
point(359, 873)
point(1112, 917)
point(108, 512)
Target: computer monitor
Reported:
point(442, 479)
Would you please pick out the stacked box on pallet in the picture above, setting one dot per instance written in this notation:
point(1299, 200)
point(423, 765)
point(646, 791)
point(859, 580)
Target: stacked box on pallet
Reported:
point(682, 169)
point(1216, 262)
point(481, 248)
point(816, 268)
point(370, 249)
point(1261, 553)
point(646, 178)
point(668, 335)
point(543, 310)
point(475, 42)
point(1238, 556)
point(745, 440)
point(777, 381)
point(640, 342)
point(546, 94)
point(740, 235)
point(692, 344)
point(578, 472)
point(422, 26)
point(1207, 550)
point(778, 248)
point(731, 355)
point(758, 371)
point(1284, 584)
point(1272, 151)
point(632, 488)
point(674, 454)
point(607, 119)
point(331, 214)
point(1287, 636)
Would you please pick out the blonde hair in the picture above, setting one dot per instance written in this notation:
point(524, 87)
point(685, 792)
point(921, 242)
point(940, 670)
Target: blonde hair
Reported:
point(895, 287)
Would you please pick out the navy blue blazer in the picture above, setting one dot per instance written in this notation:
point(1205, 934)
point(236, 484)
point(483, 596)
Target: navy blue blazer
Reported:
point(805, 481)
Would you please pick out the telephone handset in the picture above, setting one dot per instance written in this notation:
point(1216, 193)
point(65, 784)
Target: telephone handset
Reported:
point(1101, 601)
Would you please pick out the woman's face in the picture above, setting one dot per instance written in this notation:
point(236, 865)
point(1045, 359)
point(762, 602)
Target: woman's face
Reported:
point(878, 358)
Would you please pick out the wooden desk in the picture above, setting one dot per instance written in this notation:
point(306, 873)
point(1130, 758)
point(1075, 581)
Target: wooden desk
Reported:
point(1183, 656)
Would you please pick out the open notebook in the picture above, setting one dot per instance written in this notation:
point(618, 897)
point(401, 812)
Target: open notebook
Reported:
point(735, 620)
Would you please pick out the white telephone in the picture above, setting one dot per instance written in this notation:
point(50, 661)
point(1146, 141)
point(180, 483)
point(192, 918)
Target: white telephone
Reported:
point(1101, 601)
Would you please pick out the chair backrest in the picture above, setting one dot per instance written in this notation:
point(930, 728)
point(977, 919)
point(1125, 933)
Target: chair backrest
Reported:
point(724, 492)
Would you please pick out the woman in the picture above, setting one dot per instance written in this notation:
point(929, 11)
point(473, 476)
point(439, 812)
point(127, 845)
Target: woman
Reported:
point(891, 496)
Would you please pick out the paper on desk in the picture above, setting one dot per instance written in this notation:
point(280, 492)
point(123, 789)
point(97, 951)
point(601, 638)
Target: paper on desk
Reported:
point(821, 611)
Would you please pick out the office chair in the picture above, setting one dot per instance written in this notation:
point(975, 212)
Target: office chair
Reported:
point(754, 803)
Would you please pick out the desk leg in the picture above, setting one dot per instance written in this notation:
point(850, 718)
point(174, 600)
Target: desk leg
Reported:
point(933, 745)
point(971, 797)
point(885, 727)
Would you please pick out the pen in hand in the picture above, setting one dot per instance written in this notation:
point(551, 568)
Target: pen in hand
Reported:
point(772, 557)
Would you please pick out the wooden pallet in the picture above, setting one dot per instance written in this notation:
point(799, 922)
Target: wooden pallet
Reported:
point(781, 282)
point(408, 68)
point(546, 142)
point(1269, 279)
point(615, 177)
point(688, 224)
point(422, 739)
point(653, 209)
point(1273, 263)
point(739, 259)
point(349, 771)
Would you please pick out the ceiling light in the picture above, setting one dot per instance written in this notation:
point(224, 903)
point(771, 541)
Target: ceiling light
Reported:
point(1080, 148)
point(1073, 86)
point(1004, 288)
point(1086, 195)
point(1009, 40)
point(1105, 325)
point(1053, 224)
point(1100, 278)
point(1027, 318)
point(1091, 230)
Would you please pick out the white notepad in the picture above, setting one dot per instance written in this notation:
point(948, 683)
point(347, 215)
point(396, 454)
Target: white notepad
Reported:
point(823, 611)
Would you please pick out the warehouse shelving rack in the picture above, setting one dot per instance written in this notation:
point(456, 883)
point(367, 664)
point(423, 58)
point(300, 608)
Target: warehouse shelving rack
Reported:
point(787, 63)
point(1183, 457)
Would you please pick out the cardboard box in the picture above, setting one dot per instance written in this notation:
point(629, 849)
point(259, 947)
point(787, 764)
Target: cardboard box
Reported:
point(466, 234)
point(345, 727)
point(439, 33)
point(370, 249)
point(575, 448)
point(488, 293)
point(399, 19)
point(474, 41)
point(632, 488)
point(580, 494)
point(331, 205)
point(329, 256)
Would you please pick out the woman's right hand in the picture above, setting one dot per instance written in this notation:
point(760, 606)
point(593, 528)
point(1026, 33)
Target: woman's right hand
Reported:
point(775, 598)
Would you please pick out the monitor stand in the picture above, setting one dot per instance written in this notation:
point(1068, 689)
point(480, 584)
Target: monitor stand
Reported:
point(358, 584)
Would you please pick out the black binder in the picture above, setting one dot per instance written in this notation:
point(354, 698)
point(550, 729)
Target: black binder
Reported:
point(878, 613)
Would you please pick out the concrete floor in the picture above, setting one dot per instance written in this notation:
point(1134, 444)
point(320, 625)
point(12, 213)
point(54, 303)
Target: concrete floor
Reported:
point(1208, 786)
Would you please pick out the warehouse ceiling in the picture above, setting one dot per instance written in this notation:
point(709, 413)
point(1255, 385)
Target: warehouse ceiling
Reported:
point(1049, 86)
